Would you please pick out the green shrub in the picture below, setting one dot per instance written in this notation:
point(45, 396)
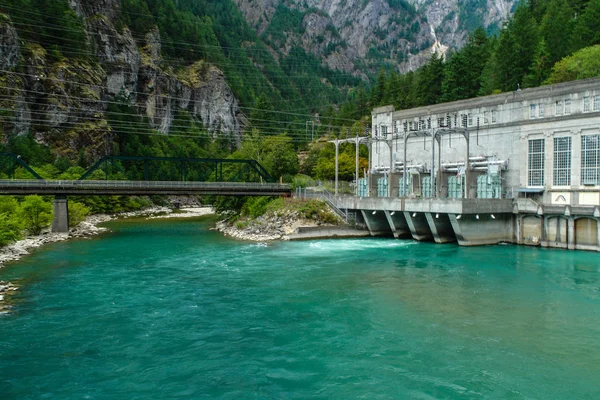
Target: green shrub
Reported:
point(256, 206)
point(10, 229)
point(35, 214)
point(77, 213)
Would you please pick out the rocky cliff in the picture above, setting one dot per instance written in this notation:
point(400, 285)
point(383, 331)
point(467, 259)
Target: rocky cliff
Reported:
point(65, 101)
point(351, 34)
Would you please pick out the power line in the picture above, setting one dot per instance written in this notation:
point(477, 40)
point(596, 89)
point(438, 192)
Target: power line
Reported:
point(143, 94)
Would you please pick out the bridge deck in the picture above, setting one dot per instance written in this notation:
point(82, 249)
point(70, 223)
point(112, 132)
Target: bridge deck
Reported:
point(79, 188)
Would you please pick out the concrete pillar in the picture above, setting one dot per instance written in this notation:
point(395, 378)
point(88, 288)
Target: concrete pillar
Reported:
point(571, 234)
point(440, 227)
point(60, 221)
point(544, 229)
point(419, 228)
point(367, 222)
point(376, 222)
point(391, 222)
point(518, 229)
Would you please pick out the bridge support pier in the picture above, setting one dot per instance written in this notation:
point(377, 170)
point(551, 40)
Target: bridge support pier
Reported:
point(60, 221)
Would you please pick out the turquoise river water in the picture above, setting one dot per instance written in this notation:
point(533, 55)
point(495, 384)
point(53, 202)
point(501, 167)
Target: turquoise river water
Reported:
point(171, 310)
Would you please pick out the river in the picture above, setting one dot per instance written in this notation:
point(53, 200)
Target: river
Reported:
point(169, 309)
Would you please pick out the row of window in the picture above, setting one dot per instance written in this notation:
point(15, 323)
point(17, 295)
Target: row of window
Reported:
point(590, 161)
point(536, 110)
point(449, 121)
point(563, 107)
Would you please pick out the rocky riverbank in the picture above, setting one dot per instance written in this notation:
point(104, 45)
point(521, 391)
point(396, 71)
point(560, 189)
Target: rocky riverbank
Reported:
point(264, 228)
point(281, 222)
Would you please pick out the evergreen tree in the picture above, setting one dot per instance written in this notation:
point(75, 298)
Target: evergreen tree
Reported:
point(429, 86)
point(516, 49)
point(261, 116)
point(541, 67)
point(378, 93)
point(462, 79)
point(586, 31)
point(556, 28)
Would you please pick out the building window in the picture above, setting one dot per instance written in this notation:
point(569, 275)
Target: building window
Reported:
point(586, 104)
point(470, 119)
point(596, 103)
point(532, 111)
point(541, 110)
point(590, 160)
point(493, 116)
point(536, 162)
point(567, 107)
point(562, 161)
point(558, 109)
point(485, 117)
point(383, 130)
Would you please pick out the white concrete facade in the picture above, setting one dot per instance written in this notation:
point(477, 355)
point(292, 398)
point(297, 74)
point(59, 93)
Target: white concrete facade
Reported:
point(517, 130)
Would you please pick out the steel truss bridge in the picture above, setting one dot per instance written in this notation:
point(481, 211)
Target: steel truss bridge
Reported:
point(140, 188)
point(139, 175)
point(190, 176)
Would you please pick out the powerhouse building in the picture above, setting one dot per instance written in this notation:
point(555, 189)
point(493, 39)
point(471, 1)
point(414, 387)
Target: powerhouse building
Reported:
point(520, 167)
point(542, 143)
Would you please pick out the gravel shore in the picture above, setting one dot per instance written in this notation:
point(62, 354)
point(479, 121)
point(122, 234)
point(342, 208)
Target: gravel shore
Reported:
point(265, 228)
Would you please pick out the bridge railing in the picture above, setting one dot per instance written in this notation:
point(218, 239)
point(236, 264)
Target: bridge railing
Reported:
point(324, 195)
point(70, 184)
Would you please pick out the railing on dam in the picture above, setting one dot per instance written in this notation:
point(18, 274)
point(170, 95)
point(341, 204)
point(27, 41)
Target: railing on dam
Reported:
point(79, 187)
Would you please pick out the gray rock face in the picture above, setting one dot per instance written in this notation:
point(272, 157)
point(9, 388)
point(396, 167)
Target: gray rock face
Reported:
point(71, 98)
point(10, 49)
point(117, 52)
point(88, 8)
point(405, 34)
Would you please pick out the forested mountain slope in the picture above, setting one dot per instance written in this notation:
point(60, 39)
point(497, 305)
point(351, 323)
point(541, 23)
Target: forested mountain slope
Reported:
point(360, 37)
point(91, 77)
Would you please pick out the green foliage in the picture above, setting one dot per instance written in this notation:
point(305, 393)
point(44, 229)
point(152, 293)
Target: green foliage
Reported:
point(556, 28)
point(429, 85)
point(583, 64)
point(77, 213)
point(8, 205)
point(530, 45)
point(35, 21)
point(10, 229)
point(255, 206)
point(225, 204)
point(279, 156)
point(10, 225)
point(586, 31)
point(29, 149)
point(113, 204)
point(36, 214)
point(463, 71)
point(316, 210)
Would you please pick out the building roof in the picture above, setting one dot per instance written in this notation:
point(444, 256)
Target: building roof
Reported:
point(494, 100)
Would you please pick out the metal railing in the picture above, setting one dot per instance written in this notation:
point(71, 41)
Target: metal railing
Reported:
point(323, 195)
point(61, 185)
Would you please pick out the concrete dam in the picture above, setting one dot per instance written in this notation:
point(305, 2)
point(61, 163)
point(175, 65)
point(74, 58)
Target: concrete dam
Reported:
point(520, 167)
